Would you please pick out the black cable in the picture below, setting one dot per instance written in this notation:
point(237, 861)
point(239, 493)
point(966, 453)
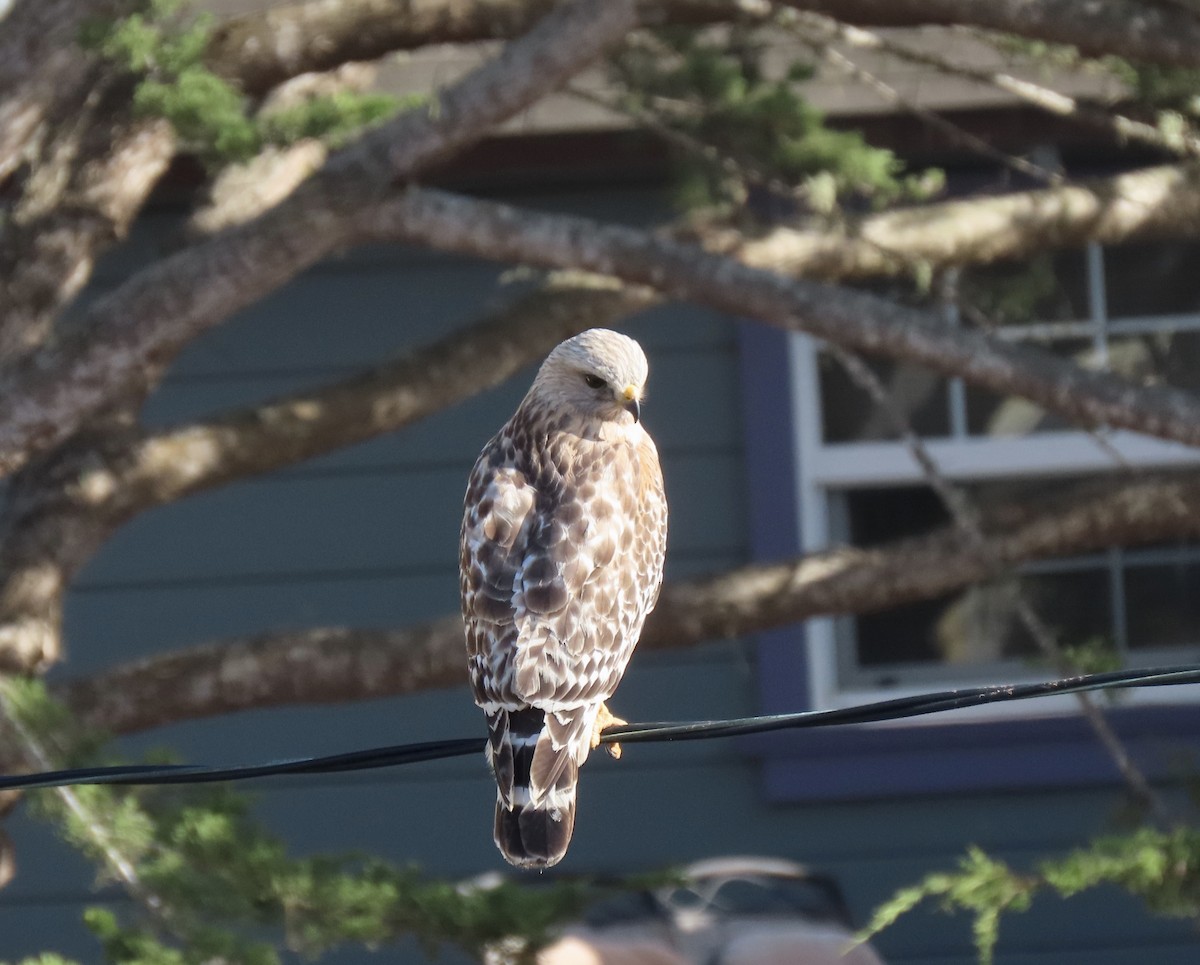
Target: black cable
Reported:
point(396, 755)
point(364, 760)
point(902, 707)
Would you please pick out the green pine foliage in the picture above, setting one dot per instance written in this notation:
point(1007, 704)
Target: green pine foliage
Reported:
point(1160, 87)
point(1169, 95)
point(1016, 292)
point(334, 118)
point(1160, 867)
point(162, 48)
point(1094, 655)
point(713, 88)
point(207, 113)
point(214, 885)
point(981, 886)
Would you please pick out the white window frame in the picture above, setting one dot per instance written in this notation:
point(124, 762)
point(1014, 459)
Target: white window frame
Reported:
point(823, 467)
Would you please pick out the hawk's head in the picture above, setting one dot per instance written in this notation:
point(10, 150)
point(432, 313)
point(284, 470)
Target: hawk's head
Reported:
point(598, 374)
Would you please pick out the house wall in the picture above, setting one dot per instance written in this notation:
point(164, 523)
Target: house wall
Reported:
point(367, 537)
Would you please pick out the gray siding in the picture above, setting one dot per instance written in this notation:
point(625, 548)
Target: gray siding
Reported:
point(366, 537)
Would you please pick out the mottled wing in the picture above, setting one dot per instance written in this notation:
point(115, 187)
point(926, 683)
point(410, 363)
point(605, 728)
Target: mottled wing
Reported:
point(495, 531)
point(562, 559)
point(651, 541)
point(589, 576)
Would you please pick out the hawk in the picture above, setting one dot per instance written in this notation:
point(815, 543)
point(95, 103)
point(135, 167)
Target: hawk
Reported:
point(563, 539)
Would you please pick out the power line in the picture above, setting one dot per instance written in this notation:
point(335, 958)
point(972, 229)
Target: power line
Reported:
point(903, 707)
point(400, 754)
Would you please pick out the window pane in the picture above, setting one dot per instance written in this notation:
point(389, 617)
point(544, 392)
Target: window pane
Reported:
point(989, 414)
point(1170, 357)
point(1152, 279)
point(1048, 288)
point(981, 625)
point(1075, 606)
point(1028, 297)
point(850, 414)
point(866, 517)
point(1152, 336)
point(871, 516)
point(951, 636)
point(1163, 604)
point(900, 635)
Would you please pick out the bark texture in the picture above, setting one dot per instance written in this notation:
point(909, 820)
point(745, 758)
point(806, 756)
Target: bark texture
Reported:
point(1152, 32)
point(96, 170)
point(1144, 205)
point(143, 324)
point(260, 49)
point(39, 61)
point(854, 320)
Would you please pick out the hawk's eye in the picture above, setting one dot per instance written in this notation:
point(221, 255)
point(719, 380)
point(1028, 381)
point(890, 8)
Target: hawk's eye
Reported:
point(594, 381)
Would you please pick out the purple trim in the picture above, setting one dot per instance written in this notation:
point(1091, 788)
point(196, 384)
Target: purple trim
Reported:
point(774, 518)
point(857, 762)
point(974, 756)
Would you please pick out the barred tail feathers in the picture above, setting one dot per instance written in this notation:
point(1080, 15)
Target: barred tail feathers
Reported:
point(535, 757)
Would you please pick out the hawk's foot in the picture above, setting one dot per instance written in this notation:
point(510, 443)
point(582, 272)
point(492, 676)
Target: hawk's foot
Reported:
point(606, 719)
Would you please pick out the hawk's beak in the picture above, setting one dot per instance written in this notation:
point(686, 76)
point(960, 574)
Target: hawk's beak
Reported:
point(633, 404)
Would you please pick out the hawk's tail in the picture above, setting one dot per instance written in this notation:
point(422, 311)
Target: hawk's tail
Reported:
point(536, 758)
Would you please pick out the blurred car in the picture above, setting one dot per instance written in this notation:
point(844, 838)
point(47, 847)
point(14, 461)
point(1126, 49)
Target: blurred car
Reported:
point(727, 911)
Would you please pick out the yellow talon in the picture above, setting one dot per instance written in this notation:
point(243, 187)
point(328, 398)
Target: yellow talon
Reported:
point(605, 719)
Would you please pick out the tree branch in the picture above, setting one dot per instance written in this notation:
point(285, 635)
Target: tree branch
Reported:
point(823, 30)
point(160, 467)
point(1153, 203)
point(136, 472)
point(852, 319)
point(260, 49)
point(819, 41)
point(96, 484)
point(53, 520)
point(97, 167)
point(172, 463)
point(143, 324)
point(334, 665)
point(91, 177)
point(1126, 28)
point(99, 483)
point(1085, 519)
point(39, 60)
point(152, 315)
point(61, 509)
point(86, 162)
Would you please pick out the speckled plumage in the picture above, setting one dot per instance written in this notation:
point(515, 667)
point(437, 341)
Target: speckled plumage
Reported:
point(563, 541)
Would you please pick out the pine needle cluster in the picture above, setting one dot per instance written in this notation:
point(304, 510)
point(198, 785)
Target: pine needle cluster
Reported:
point(162, 48)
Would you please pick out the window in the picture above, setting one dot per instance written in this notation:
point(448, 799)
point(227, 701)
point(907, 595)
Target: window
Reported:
point(1134, 310)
